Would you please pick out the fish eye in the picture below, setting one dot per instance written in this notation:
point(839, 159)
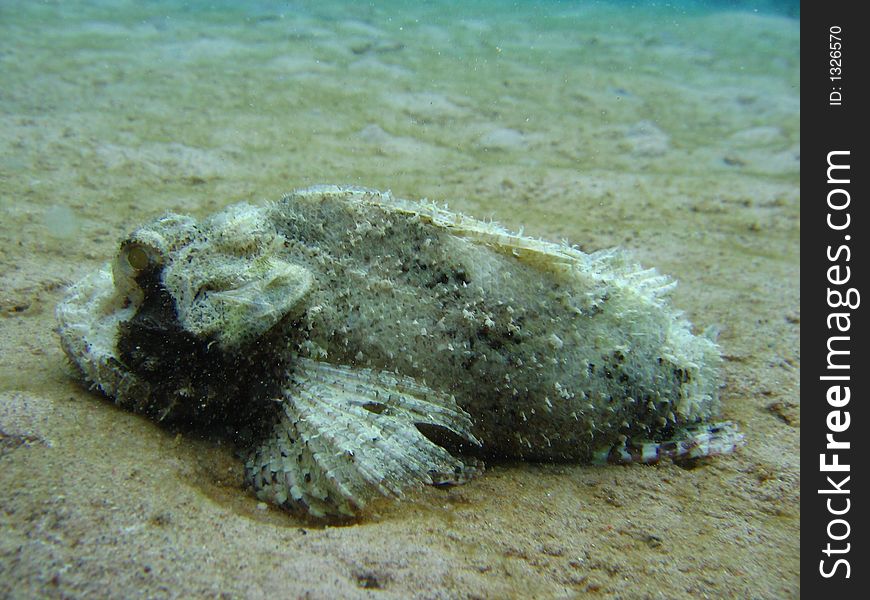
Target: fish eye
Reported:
point(138, 257)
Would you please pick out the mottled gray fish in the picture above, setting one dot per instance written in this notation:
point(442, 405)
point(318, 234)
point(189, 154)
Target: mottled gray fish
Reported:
point(370, 344)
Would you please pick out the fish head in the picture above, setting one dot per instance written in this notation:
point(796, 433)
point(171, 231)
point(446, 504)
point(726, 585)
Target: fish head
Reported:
point(187, 313)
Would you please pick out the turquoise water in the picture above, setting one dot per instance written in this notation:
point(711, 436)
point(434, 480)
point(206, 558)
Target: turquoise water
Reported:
point(670, 129)
point(397, 94)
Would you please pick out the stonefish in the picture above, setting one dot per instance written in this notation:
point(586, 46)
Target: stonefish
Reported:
point(364, 345)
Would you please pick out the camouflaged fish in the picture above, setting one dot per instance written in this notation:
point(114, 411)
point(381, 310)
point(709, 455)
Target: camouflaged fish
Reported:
point(368, 344)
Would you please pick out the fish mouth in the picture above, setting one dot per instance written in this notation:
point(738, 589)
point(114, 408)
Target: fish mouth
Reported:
point(89, 319)
point(135, 351)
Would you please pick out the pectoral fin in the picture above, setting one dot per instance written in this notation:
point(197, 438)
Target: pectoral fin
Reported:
point(347, 435)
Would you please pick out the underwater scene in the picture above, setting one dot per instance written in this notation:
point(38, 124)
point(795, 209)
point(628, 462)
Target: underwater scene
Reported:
point(399, 299)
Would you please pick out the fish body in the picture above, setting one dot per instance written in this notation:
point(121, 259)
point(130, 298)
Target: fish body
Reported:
point(372, 344)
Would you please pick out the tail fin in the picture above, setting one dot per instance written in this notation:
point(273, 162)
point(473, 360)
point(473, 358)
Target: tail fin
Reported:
point(688, 442)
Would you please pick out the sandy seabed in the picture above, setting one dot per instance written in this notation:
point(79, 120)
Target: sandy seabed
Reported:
point(674, 134)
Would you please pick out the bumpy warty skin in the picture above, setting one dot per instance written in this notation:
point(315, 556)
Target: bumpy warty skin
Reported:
point(348, 321)
point(553, 352)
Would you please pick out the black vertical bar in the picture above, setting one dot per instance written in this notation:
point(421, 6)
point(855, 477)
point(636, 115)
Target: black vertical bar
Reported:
point(835, 365)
